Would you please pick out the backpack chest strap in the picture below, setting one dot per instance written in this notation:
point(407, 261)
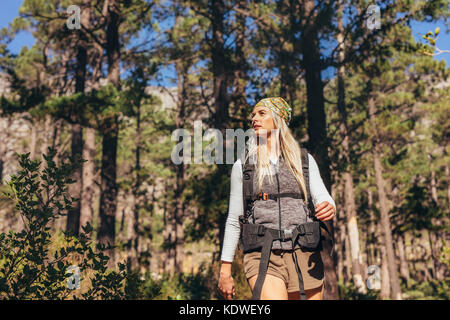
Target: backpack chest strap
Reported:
point(274, 196)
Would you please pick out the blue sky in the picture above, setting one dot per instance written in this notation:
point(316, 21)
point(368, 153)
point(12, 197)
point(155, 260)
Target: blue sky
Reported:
point(10, 9)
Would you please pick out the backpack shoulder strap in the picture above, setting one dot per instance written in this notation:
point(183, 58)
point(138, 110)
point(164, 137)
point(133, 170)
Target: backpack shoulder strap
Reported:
point(247, 185)
point(305, 167)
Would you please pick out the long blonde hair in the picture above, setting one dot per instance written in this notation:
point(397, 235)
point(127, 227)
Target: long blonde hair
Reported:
point(290, 151)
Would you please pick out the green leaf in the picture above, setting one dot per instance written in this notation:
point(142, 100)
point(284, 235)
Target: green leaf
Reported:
point(436, 31)
point(26, 269)
point(87, 228)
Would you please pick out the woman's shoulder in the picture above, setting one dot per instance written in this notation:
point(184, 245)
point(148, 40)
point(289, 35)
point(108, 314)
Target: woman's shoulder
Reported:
point(311, 161)
point(237, 166)
point(236, 171)
point(238, 161)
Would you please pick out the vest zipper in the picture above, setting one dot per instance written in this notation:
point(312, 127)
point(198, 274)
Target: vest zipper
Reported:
point(279, 208)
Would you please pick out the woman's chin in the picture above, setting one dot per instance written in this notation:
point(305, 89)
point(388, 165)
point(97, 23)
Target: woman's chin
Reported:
point(262, 133)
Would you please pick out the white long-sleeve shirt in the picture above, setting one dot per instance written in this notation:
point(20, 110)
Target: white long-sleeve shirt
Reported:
point(318, 190)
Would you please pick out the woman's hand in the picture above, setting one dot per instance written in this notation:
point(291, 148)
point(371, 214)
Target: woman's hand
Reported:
point(226, 282)
point(325, 211)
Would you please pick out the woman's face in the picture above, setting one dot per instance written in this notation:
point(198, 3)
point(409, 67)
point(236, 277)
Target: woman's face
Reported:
point(262, 120)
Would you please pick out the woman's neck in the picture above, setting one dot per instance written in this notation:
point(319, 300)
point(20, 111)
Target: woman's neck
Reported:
point(273, 148)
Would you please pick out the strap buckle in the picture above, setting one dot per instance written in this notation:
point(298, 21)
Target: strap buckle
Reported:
point(261, 230)
point(286, 234)
point(264, 196)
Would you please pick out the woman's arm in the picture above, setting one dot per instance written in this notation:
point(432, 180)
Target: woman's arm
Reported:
point(232, 231)
point(232, 228)
point(319, 192)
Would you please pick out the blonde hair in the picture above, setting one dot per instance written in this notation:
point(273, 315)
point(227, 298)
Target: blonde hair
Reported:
point(289, 149)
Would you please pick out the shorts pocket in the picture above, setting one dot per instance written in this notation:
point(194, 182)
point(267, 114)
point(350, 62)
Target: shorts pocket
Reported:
point(251, 262)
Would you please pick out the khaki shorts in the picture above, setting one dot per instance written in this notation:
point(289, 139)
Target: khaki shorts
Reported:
point(281, 265)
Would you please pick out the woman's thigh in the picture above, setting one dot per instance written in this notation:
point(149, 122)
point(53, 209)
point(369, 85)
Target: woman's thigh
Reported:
point(311, 294)
point(273, 288)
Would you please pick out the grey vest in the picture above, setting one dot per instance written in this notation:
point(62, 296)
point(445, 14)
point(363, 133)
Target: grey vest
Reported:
point(281, 213)
point(276, 216)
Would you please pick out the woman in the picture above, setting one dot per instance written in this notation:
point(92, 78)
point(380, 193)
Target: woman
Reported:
point(277, 154)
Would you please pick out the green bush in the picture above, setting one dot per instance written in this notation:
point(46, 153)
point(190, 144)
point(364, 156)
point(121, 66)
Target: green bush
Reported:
point(429, 290)
point(349, 292)
point(176, 287)
point(32, 266)
point(433, 289)
point(184, 286)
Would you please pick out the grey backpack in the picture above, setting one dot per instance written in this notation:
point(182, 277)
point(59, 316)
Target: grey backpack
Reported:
point(258, 237)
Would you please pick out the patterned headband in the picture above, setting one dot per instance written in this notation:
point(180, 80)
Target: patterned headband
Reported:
point(279, 105)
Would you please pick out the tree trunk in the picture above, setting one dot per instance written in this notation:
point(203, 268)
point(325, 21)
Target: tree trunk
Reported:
point(48, 130)
point(372, 226)
point(89, 147)
point(384, 211)
point(57, 143)
point(347, 260)
point(409, 253)
point(440, 266)
point(178, 226)
point(88, 176)
point(340, 243)
point(385, 279)
point(58, 224)
point(168, 260)
point(73, 216)
point(318, 142)
point(363, 255)
point(221, 80)
point(385, 289)
point(433, 185)
point(48, 122)
point(350, 206)
point(178, 214)
point(404, 270)
point(286, 54)
point(240, 75)
point(108, 197)
point(432, 261)
point(219, 65)
point(428, 257)
point(134, 234)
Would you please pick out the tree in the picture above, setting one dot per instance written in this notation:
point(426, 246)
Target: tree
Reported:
point(30, 267)
point(350, 205)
